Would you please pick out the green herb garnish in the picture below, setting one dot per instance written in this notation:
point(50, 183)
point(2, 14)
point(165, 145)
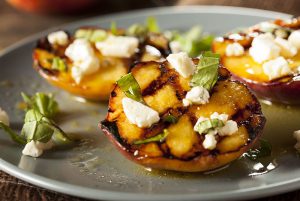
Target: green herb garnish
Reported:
point(113, 28)
point(93, 35)
point(13, 135)
point(192, 41)
point(208, 125)
point(137, 30)
point(152, 25)
point(58, 64)
point(170, 119)
point(206, 74)
point(43, 103)
point(264, 150)
point(157, 138)
point(130, 87)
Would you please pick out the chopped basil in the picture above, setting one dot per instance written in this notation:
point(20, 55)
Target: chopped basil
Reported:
point(157, 138)
point(152, 25)
point(43, 103)
point(39, 128)
point(113, 28)
point(192, 41)
point(137, 30)
point(209, 124)
point(58, 64)
point(13, 135)
point(264, 150)
point(170, 119)
point(206, 74)
point(130, 87)
point(93, 35)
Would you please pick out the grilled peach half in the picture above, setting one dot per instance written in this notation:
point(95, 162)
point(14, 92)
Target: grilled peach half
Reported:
point(243, 68)
point(163, 90)
point(96, 86)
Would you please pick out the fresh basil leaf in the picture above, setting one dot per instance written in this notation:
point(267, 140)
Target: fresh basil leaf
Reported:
point(193, 41)
point(206, 74)
point(137, 30)
point(152, 25)
point(170, 119)
point(39, 128)
point(157, 138)
point(264, 150)
point(113, 28)
point(13, 135)
point(130, 87)
point(209, 124)
point(44, 103)
point(93, 35)
point(58, 64)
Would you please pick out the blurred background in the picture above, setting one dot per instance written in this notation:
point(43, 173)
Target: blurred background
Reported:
point(21, 18)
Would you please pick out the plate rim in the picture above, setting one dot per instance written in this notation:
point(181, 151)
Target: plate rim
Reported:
point(90, 193)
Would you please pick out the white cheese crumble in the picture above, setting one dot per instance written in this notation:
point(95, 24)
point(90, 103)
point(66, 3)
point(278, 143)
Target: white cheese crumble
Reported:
point(58, 38)
point(36, 148)
point(276, 68)
point(139, 114)
point(175, 47)
point(209, 142)
point(4, 117)
point(287, 48)
point(264, 48)
point(267, 26)
point(297, 137)
point(182, 63)
point(234, 49)
point(294, 38)
point(230, 127)
point(85, 61)
point(118, 46)
point(197, 95)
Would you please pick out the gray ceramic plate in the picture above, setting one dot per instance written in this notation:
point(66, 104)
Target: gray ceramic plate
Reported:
point(94, 169)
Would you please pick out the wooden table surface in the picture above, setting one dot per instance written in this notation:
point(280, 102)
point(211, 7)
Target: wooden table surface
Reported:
point(16, 25)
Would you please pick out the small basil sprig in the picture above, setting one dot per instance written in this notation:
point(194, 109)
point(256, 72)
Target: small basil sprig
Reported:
point(206, 74)
point(130, 87)
point(192, 41)
point(37, 127)
point(13, 135)
point(264, 150)
point(208, 125)
point(43, 103)
point(58, 64)
point(141, 30)
point(152, 25)
point(169, 118)
point(93, 35)
point(157, 138)
point(113, 28)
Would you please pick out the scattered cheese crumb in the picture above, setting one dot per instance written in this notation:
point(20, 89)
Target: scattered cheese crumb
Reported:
point(297, 136)
point(36, 148)
point(264, 48)
point(139, 114)
point(58, 38)
point(287, 48)
point(118, 46)
point(197, 95)
point(175, 47)
point(294, 39)
point(85, 61)
point(4, 117)
point(182, 63)
point(209, 142)
point(234, 49)
point(276, 68)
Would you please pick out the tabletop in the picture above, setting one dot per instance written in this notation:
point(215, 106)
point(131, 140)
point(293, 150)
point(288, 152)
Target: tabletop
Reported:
point(21, 25)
